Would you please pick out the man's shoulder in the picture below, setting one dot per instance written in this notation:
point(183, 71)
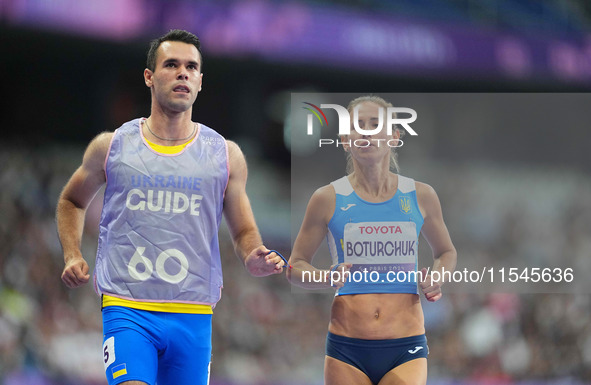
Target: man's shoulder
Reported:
point(131, 125)
point(207, 132)
point(234, 151)
point(102, 141)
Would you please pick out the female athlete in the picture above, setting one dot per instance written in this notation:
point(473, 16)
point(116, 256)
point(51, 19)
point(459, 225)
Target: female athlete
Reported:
point(372, 219)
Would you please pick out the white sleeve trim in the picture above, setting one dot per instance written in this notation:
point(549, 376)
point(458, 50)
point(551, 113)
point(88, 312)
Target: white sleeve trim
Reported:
point(405, 184)
point(342, 186)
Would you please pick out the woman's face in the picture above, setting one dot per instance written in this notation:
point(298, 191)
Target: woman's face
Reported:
point(370, 148)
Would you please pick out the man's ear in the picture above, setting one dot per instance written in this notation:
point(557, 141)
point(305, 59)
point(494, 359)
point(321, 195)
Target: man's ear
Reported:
point(148, 77)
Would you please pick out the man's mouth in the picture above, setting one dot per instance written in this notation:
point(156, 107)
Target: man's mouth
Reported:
point(181, 89)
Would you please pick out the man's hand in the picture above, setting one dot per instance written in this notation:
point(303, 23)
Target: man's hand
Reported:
point(431, 289)
point(75, 273)
point(260, 262)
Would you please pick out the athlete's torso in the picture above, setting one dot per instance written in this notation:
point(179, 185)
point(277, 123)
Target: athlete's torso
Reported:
point(376, 237)
point(158, 234)
point(377, 316)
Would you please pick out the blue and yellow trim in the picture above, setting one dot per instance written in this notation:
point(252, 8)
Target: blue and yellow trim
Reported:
point(168, 307)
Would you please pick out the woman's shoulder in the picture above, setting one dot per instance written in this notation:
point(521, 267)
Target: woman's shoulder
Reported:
point(324, 194)
point(424, 188)
point(427, 198)
point(322, 203)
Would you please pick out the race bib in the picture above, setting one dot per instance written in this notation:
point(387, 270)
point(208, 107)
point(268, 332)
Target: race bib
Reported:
point(381, 243)
point(109, 351)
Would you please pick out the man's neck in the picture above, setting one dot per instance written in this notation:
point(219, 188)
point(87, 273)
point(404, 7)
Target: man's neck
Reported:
point(163, 127)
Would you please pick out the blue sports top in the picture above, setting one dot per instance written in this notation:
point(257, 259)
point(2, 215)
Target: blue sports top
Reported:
point(379, 239)
point(158, 237)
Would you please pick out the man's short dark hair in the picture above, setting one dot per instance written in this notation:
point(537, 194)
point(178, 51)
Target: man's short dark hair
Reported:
point(172, 35)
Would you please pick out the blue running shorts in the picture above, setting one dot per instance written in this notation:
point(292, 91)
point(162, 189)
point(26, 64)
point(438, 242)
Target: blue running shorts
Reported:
point(150, 346)
point(375, 358)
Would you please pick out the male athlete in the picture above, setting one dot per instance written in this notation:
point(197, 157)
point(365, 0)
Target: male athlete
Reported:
point(158, 267)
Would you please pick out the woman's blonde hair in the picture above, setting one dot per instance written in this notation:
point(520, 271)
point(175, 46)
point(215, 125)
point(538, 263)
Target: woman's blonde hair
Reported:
point(381, 102)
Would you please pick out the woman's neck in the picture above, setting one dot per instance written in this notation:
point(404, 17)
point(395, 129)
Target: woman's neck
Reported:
point(375, 181)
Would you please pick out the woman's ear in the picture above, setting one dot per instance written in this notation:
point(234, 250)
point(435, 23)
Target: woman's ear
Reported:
point(345, 142)
point(396, 136)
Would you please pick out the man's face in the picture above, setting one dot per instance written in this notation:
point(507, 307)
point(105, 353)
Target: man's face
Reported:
point(176, 79)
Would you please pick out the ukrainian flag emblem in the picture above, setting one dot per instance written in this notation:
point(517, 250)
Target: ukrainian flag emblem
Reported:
point(119, 370)
point(405, 205)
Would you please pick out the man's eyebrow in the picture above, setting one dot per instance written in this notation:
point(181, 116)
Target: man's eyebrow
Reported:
point(175, 60)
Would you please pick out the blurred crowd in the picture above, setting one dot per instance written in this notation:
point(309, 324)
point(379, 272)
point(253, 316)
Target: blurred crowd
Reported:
point(265, 333)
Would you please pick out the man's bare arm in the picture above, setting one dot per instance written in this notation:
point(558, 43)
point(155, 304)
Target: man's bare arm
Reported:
point(243, 229)
point(72, 204)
